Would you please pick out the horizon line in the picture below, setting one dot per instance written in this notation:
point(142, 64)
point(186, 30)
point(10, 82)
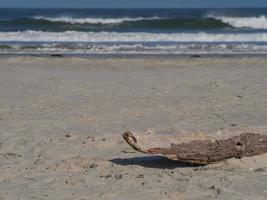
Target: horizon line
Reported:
point(133, 8)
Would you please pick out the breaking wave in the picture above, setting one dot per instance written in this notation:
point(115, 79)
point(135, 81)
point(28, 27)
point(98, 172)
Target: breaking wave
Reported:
point(244, 22)
point(60, 24)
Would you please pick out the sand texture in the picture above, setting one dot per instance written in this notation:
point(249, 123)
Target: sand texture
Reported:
point(62, 119)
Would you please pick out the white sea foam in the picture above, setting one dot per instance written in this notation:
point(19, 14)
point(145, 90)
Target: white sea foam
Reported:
point(93, 20)
point(244, 22)
point(137, 49)
point(73, 36)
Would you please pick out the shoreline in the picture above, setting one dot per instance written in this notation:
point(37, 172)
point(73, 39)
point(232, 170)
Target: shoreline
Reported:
point(103, 56)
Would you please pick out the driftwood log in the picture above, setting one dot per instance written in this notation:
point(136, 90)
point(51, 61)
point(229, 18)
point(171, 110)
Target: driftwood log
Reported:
point(199, 149)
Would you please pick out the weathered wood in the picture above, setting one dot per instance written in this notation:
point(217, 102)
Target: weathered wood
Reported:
point(206, 151)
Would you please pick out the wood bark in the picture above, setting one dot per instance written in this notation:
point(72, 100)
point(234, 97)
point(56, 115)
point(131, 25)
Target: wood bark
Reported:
point(207, 151)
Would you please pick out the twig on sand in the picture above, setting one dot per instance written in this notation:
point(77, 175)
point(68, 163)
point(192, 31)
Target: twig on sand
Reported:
point(204, 151)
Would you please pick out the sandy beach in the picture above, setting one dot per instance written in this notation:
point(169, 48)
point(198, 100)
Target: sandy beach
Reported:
point(62, 119)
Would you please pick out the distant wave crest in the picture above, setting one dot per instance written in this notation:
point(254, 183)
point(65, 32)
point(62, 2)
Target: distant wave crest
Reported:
point(122, 23)
point(93, 20)
point(244, 22)
point(237, 22)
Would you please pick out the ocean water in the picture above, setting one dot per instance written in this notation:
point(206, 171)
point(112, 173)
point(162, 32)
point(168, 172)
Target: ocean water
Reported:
point(133, 31)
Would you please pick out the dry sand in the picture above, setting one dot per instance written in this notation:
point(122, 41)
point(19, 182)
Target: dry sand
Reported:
point(61, 121)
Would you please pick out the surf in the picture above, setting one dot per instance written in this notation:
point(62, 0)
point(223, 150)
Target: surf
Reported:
point(243, 22)
point(74, 36)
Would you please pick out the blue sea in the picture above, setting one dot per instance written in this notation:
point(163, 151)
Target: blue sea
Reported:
point(133, 31)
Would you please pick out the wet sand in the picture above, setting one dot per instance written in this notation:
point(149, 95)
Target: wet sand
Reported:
point(61, 121)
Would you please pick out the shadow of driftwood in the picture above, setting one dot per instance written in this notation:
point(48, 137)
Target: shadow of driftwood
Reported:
point(157, 162)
